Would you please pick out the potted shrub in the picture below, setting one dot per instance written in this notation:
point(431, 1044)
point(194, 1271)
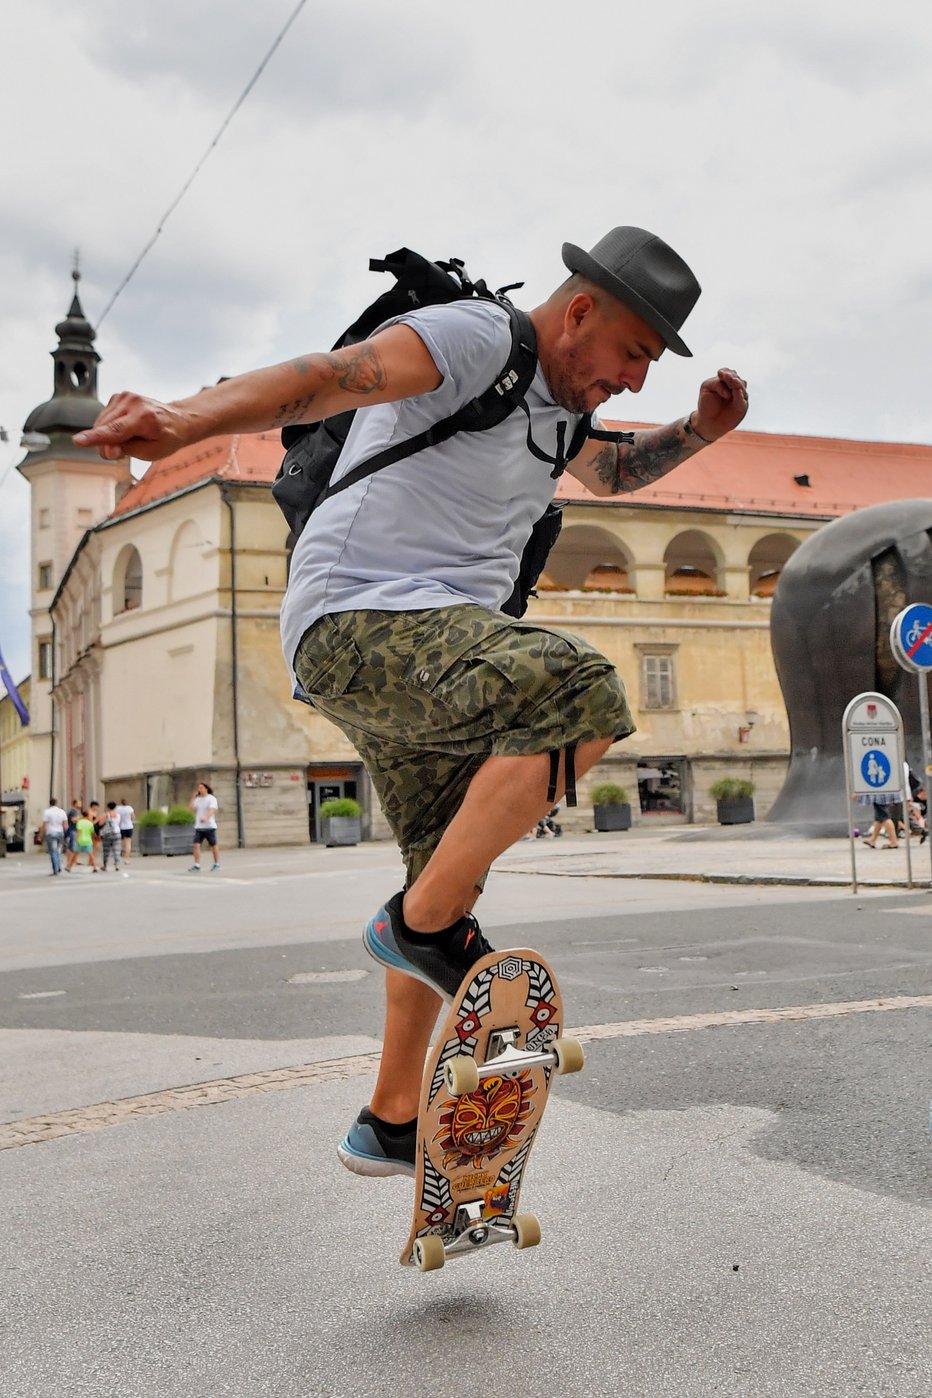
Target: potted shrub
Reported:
point(610, 804)
point(177, 835)
point(150, 825)
point(734, 800)
point(341, 821)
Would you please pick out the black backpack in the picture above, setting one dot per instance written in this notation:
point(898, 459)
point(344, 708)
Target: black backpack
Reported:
point(312, 450)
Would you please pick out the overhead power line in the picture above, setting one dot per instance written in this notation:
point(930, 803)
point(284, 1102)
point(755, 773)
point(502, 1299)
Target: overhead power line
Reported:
point(194, 173)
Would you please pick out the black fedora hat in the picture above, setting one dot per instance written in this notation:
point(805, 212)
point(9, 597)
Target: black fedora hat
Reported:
point(643, 272)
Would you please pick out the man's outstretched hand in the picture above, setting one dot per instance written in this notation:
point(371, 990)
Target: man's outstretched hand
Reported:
point(723, 402)
point(133, 426)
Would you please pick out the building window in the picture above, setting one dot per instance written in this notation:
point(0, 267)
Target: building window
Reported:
point(85, 516)
point(45, 577)
point(127, 581)
point(45, 660)
point(658, 680)
point(44, 518)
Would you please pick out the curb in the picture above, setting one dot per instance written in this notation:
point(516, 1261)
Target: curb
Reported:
point(758, 880)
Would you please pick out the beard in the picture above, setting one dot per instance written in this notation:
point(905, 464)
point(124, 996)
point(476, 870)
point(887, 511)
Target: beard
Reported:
point(569, 382)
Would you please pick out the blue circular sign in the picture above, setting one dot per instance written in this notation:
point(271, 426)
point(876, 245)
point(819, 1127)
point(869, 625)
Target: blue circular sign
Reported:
point(875, 768)
point(911, 637)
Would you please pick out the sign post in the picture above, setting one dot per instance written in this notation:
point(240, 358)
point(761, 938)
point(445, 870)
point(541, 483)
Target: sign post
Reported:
point(872, 736)
point(911, 643)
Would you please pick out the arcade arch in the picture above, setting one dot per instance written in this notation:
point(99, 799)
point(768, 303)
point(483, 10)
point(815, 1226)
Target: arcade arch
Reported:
point(588, 558)
point(692, 566)
point(767, 560)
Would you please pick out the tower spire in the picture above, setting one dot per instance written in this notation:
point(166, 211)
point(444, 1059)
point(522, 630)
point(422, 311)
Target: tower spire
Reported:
point(74, 403)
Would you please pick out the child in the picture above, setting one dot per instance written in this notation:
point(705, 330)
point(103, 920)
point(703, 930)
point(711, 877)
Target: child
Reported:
point(86, 839)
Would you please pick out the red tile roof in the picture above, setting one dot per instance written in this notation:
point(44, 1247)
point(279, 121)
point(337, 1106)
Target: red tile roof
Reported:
point(747, 472)
point(243, 457)
point(754, 472)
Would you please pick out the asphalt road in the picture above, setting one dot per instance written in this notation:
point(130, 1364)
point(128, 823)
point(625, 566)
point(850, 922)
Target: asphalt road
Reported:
point(729, 1208)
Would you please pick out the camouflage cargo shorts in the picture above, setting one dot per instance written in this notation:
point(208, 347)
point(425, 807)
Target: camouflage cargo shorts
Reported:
point(426, 697)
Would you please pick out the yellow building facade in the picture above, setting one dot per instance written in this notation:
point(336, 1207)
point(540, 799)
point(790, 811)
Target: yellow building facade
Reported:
point(156, 601)
point(15, 762)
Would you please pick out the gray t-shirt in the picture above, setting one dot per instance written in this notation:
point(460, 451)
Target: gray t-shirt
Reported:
point(448, 525)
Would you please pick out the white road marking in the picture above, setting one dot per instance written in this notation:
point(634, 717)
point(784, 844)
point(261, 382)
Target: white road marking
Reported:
point(80, 1120)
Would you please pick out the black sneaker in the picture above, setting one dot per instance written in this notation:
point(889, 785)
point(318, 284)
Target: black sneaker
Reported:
point(440, 961)
point(372, 1147)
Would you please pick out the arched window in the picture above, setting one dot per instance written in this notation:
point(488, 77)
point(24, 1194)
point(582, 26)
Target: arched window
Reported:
point(766, 562)
point(127, 581)
point(691, 566)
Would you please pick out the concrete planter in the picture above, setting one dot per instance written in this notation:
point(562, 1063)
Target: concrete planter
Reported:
point(341, 830)
point(165, 839)
point(737, 810)
point(613, 817)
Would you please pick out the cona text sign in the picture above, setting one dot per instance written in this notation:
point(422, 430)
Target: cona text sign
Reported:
point(872, 731)
point(874, 746)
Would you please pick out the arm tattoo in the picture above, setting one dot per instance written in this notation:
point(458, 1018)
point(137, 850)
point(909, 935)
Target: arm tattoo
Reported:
point(626, 467)
point(289, 413)
point(359, 368)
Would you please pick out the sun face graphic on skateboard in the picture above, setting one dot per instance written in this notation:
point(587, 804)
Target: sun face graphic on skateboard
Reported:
point(478, 1125)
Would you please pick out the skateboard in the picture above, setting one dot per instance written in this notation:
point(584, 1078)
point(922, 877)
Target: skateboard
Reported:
point(486, 1083)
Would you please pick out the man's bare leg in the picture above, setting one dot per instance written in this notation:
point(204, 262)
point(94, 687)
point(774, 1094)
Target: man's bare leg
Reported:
point(505, 798)
point(410, 1016)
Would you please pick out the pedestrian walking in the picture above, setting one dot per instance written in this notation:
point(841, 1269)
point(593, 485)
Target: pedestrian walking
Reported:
point(127, 818)
point(86, 834)
point(471, 725)
point(99, 819)
point(71, 834)
point(111, 837)
point(52, 830)
point(204, 805)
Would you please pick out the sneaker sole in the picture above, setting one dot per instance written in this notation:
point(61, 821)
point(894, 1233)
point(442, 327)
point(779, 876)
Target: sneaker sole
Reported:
point(393, 961)
point(370, 1166)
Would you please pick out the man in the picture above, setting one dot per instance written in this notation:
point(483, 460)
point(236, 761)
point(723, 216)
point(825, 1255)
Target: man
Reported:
point(205, 807)
point(126, 816)
point(468, 722)
point(52, 829)
point(71, 833)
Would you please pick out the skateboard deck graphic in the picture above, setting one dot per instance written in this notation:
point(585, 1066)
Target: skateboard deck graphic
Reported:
point(474, 1137)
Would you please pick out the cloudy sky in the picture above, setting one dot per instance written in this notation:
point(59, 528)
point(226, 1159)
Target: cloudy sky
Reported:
point(784, 149)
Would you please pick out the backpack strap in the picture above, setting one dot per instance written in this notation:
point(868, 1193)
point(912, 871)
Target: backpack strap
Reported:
point(583, 433)
point(487, 410)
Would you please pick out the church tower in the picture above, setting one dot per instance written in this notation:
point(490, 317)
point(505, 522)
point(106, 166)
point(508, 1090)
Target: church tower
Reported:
point(72, 489)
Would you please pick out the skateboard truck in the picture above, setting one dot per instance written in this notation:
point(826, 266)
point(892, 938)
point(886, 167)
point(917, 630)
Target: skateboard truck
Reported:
point(462, 1074)
point(472, 1231)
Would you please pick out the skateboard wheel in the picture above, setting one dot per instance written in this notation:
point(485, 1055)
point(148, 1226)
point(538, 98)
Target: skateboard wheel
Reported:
point(461, 1075)
point(569, 1055)
point(527, 1230)
point(429, 1253)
